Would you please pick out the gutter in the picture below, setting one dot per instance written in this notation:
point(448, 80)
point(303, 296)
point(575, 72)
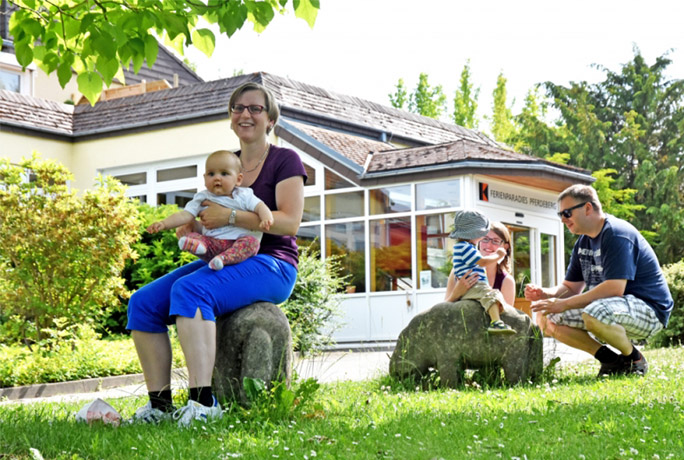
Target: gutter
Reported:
point(535, 167)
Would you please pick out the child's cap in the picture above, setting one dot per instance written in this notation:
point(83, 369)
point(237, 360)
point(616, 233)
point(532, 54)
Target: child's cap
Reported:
point(469, 225)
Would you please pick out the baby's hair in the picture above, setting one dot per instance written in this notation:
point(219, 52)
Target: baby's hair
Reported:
point(233, 157)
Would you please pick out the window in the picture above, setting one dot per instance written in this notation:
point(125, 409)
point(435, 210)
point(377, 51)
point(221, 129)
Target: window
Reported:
point(434, 249)
point(10, 81)
point(334, 182)
point(180, 198)
point(346, 241)
point(548, 260)
point(184, 172)
point(390, 254)
point(312, 209)
point(168, 182)
point(133, 179)
point(342, 205)
point(310, 175)
point(309, 237)
point(434, 195)
point(520, 239)
point(390, 200)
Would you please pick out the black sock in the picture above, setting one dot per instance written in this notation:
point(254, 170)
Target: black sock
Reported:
point(161, 400)
point(635, 355)
point(202, 395)
point(605, 355)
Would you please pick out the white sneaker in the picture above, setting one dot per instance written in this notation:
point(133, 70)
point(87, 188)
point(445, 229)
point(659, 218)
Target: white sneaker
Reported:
point(148, 414)
point(196, 411)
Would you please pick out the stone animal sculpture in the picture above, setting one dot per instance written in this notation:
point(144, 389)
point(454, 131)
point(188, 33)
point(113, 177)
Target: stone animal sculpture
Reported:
point(254, 342)
point(451, 337)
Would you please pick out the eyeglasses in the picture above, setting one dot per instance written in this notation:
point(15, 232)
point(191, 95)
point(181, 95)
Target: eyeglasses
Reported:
point(567, 213)
point(494, 241)
point(253, 109)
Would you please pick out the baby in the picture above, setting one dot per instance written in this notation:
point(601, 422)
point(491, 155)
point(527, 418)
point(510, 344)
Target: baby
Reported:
point(224, 245)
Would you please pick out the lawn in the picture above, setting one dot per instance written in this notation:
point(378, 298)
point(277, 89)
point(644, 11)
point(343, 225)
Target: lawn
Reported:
point(569, 415)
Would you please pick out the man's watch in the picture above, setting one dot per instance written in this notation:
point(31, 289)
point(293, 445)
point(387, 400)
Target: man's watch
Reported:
point(231, 219)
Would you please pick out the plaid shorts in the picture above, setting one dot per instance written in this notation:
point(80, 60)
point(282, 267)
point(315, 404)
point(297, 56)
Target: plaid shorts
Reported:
point(635, 315)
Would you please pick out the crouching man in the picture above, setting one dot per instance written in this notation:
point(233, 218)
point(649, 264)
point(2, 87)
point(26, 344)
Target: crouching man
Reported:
point(627, 297)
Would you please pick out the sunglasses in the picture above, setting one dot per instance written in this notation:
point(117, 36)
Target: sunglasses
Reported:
point(494, 241)
point(567, 213)
point(253, 109)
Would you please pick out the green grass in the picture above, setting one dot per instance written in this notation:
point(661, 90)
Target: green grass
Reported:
point(572, 415)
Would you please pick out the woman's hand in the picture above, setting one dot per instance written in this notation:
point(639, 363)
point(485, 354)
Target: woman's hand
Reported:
point(457, 288)
point(214, 215)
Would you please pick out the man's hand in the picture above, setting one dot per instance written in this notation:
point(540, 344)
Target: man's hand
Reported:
point(534, 292)
point(548, 306)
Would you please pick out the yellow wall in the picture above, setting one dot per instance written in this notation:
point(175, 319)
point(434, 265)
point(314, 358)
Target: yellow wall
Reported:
point(90, 157)
point(18, 146)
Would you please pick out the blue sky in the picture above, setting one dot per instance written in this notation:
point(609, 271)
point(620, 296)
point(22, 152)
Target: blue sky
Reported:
point(362, 47)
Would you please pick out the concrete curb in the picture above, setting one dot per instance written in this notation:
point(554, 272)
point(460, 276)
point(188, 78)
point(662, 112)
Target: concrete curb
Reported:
point(45, 390)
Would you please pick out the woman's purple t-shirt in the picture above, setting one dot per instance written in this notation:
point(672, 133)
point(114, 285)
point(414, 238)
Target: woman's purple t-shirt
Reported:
point(280, 164)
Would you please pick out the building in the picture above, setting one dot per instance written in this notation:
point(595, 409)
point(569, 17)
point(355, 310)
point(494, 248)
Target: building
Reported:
point(383, 183)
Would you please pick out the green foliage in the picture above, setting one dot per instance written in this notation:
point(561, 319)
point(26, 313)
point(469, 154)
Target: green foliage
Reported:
point(79, 356)
point(427, 100)
point(314, 305)
point(399, 98)
point(619, 203)
point(673, 335)
point(633, 123)
point(465, 101)
point(278, 402)
point(155, 256)
point(158, 253)
point(99, 39)
point(502, 125)
point(61, 253)
point(612, 418)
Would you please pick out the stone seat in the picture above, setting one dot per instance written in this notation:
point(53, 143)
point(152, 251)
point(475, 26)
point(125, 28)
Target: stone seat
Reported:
point(256, 342)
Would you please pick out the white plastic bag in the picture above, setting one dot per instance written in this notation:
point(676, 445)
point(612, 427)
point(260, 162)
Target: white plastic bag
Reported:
point(99, 410)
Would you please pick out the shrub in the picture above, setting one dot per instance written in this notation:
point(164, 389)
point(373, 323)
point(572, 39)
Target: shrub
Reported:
point(61, 254)
point(674, 333)
point(315, 301)
point(156, 255)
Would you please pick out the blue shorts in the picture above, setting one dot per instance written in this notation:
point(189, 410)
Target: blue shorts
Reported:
point(180, 293)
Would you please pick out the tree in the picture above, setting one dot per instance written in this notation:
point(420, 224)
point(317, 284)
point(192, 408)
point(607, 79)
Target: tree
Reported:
point(100, 38)
point(633, 122)
point(427, 100)
point(400, 96)
point(502, 117)
point(465, 101)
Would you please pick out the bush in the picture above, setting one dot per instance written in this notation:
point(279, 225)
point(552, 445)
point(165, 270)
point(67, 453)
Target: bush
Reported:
point(674, 333)
point(82, 356)
point(61, 254)
point(315, 301)
point(155, 256)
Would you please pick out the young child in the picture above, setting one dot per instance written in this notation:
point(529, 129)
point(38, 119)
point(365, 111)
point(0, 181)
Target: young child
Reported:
point(469, 228)
point(224, 245)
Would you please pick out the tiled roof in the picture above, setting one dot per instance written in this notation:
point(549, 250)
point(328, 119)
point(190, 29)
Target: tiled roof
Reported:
point(353, 147)
point(464, 149)
point(166, 65)
point(21, 110)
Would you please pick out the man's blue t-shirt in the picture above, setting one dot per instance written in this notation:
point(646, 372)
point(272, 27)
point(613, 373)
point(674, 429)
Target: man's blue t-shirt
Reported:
point(620, 252)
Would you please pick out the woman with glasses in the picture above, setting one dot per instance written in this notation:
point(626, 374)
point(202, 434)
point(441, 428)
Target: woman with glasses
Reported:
point(498, 275)
point(193, 295)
